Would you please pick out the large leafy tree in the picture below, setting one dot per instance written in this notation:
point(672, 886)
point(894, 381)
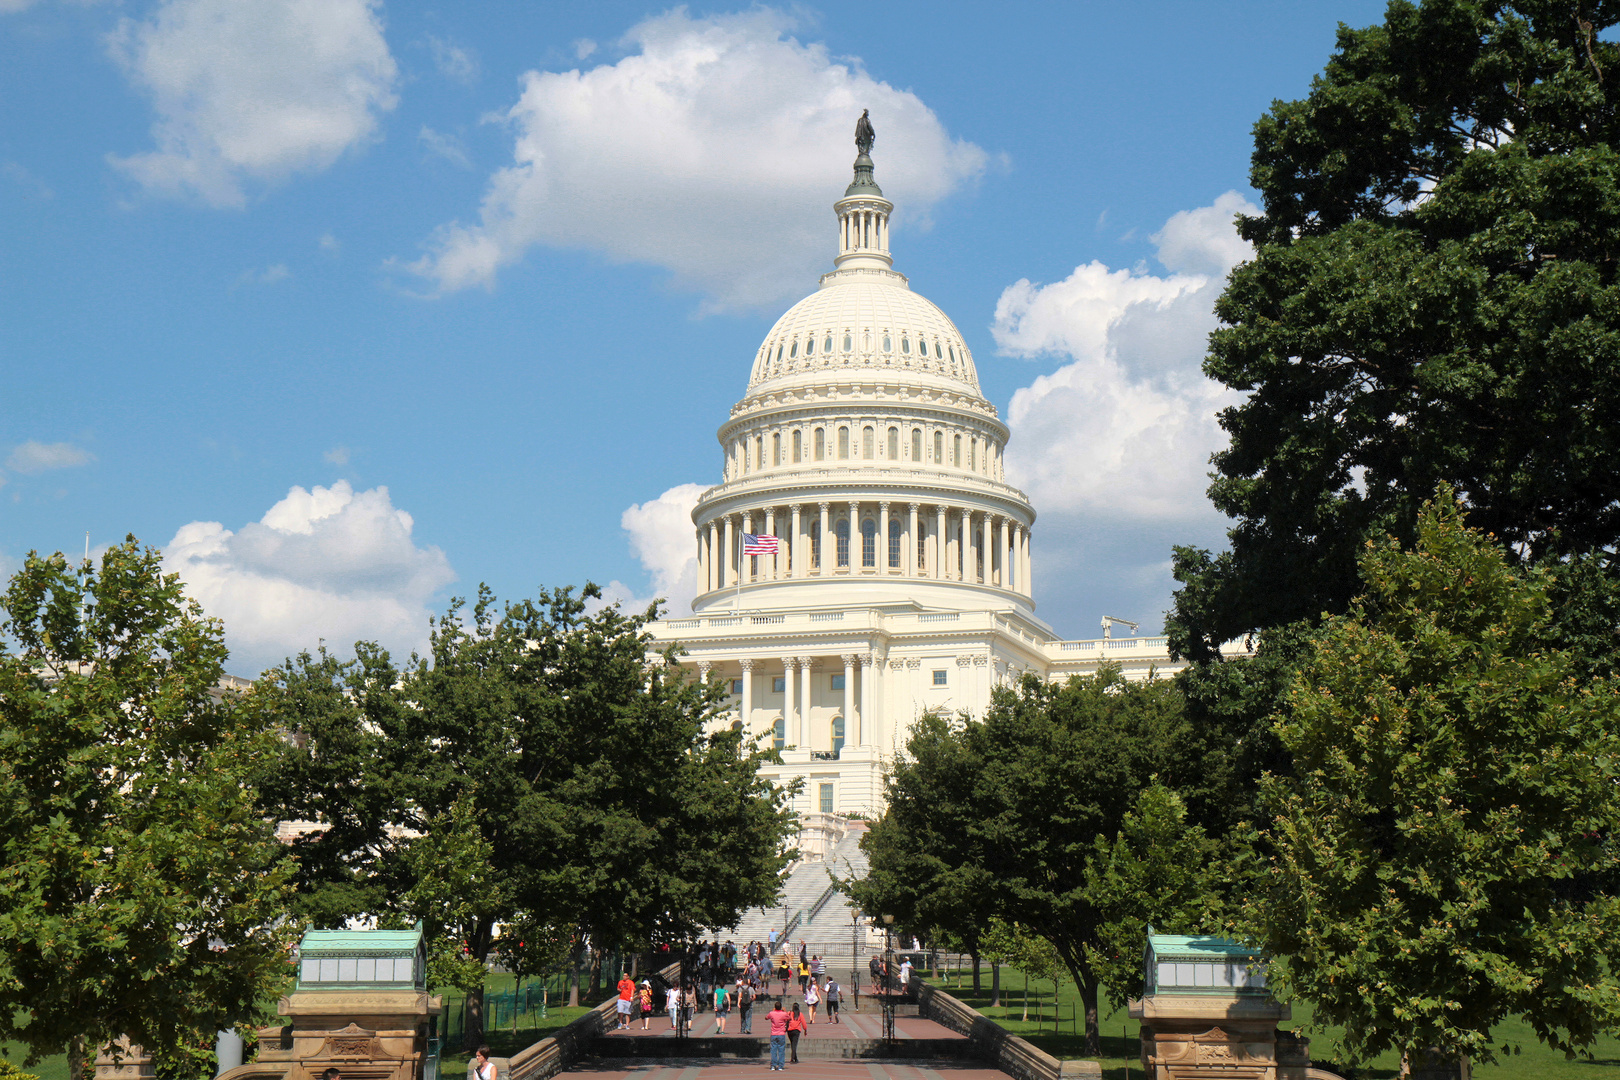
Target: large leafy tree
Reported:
point(1444, 851)
point(608, 794)
point(1433, 297)
point(142, 894)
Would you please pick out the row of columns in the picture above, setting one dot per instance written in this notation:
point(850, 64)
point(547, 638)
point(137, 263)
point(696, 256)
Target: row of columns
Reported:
point(1000, 557)
point(796, 699)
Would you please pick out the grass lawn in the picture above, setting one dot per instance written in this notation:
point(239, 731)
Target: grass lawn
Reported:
point(1121, 1052)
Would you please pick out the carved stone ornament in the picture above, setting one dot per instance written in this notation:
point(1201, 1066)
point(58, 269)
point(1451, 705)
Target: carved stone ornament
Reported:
point(353, 1041)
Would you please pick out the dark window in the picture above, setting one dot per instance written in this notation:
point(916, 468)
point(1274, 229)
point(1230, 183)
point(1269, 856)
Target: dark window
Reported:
point(869, 543)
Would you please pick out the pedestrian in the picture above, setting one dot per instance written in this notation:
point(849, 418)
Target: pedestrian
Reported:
point(817, 969)
point(689, 1000)
point(812, 998)
point(785, 970)
point(646, 1003)
point(672, 1004)
point(745, 1007)
point(875, 968)
point(721, 1007)
point(779, 1025)
point(771, 940)
point(482, 1067)
point(795, 1029)
point(627, 991)
point(832, 994)
point(905, 975)
point(804, 974)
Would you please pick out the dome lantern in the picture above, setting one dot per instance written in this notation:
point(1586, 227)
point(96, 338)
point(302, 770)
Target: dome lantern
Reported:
point(863, 222)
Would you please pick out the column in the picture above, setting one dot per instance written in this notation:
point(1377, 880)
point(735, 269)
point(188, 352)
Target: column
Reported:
point(1016, 558)
point(981, 669)
point(825, 540)
point(789, 728)
point(746, 708)
point(854, 528)
point(851, 732)
point(703, 561)
point(909, 556)
point(768, 571)
point(712, 578)
point(1029, 567)
point(868, 721)
point(939, 540)
point(1005, 554)
point(704, 667)
point(987, 547)
point(800, 555)
point(966, 545)
point(728, 569)
point(805, 664)
point(745, 563)
point(883, 538)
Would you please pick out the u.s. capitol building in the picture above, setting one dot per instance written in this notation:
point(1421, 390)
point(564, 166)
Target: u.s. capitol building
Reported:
point(903, 583)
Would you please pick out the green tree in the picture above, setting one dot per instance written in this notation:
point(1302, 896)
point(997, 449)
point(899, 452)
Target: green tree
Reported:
point(455, 891)
point(1444, 849)
point(141, 891)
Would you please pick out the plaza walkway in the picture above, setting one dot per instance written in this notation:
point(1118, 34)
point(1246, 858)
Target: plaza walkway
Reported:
point(807, 1069)
point(852, 1025)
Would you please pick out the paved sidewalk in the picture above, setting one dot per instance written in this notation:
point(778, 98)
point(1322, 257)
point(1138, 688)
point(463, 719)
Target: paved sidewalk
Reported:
point(867, 1024)
point(810, 1069)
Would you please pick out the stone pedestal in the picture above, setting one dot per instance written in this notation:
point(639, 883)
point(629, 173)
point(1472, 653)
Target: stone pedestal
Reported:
point(121, 1061)
point(1187, 1037)
point(365, 1035)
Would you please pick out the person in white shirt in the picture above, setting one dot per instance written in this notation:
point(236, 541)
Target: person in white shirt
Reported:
point(672, 1002)
point(905, 975)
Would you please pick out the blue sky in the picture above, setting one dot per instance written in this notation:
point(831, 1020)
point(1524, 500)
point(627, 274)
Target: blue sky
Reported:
point(352, 306)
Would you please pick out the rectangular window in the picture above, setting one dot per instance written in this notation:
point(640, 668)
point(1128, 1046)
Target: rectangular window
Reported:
point(894, 545)
point(776, 449)
point(868, 443)
point(779, 684)
point(956, 451)
point(939, 447)
point(821, 444)
point(826, 799)
point(939, 678)
point(916, 444)
point(779, 733)
point(759, 451)
point(837, 682)
point(922, 547)
point(843, 443)
point(798, 445)
point(736, 687)
point(815, 545)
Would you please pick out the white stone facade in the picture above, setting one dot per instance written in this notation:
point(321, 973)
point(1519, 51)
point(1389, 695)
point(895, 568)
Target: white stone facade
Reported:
point(903, 584)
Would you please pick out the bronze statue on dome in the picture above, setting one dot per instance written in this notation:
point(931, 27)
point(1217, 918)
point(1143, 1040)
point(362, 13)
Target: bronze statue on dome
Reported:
point(864, 135)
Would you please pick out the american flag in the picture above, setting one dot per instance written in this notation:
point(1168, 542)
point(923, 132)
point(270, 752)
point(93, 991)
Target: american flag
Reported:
point(765, 544)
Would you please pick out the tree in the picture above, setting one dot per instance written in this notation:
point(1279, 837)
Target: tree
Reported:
point(1444, 850)
point(141, 892)
point(1433, 297)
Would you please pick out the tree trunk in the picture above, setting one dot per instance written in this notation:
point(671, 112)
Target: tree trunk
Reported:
point(975, 974)
point(1026, 996)
point(1088, 996)
point(473, 1037)
point(77, 1065)
point(573, 982)
point(995, 985)
point(596, 970)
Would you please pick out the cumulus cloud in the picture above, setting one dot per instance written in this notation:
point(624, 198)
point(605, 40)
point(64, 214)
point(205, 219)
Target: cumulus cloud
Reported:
point(36, 457)
point(1113, 445)
point(713, 150)
point(253, 91)
point(458, 62)
point(662, 538)
point(338, 455)
point(446, 146)
point(327, 563)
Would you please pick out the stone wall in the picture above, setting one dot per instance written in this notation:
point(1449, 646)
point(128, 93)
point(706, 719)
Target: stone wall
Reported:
point(994, 1043)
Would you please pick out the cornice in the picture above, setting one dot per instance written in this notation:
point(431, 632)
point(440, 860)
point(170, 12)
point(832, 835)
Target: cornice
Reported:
point(864, 483)
point(853, 395)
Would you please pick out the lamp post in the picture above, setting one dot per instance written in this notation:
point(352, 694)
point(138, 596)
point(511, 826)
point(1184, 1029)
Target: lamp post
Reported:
point(855, 956)
point(888, 979)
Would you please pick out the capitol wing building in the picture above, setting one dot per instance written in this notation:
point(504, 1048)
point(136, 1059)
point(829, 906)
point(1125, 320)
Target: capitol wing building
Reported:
point(901, 583)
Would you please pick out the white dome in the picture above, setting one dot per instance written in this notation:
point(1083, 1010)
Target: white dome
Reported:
point(864, 320)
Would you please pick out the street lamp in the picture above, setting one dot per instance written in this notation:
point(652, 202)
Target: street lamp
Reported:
point(855, 956)
point(888, 979)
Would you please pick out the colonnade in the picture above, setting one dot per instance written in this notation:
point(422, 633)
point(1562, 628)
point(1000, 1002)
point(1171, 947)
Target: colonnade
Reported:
point(905, 539)
point(797, 697)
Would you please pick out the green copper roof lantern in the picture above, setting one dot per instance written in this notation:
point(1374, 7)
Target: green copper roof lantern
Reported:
point(362, 959)
point(1192, 964)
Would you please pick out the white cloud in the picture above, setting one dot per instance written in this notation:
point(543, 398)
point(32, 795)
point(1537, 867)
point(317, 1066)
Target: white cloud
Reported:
point(1113, 445)
point(253, 90)
point(338, 455)
point(35, 457)
point(329, 244)
point(454, 61)
point(446, 146)
point(268, 276)
point(714, 150)
point(327, 563)
point(583, 48)
point(661, 536)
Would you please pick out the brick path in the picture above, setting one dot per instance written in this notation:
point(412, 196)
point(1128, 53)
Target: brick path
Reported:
point(807, 1069)
point(867, 1024)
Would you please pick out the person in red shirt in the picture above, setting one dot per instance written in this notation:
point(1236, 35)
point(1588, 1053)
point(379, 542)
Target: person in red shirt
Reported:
point(796, 1027)
point(627, 993)
point(779, 1024)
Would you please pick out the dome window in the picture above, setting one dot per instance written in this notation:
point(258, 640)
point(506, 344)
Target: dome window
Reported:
point(905, 345)
point(826, 346)
point(953, 354)
point(795, 350)
point(887, 345)
point(937, 355)
point(810, 347)
point(779, 354)
point(849, 343)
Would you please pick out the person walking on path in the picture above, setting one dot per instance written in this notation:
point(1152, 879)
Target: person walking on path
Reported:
point(875, 967)
point(627, 991)
point(672, 1003)
point(905, 976)
point(771, 939)
point(811, 999)
point(779, 1025)
point(795, 1029)
point(745, 1007)
point(804, 974)
point(646, 1004)
point(833, 993)
point(818, 970)
point(786, 969)
point(481, 1068)
point(689, 1000)
point(721, 1007)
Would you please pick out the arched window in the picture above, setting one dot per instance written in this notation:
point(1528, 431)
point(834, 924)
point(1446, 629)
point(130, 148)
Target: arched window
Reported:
point(826, 346)
point(843, 443)
point(868, 442)
point(894, 544)
point(759, 451)
point(742, 452)
point(961, 543)
point(798, 446)
point(952, 351)
point(838, 734)
point(937, 355)
point(916, 444)
point(810, 345)
point(779, 349)
point(815, 544)
point(821, 444)
point(887, 345)
point(922, 546)
point(905, 344)
point(869, 543)
point(776, 448)
point(841, 534)
point(956, 451)
point(939, 447)
point(849, 343)
point(894, 444)
point(779, 733)
point(973, 454)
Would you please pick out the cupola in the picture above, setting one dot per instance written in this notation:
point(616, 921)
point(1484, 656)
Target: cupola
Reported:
point(863, 222)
